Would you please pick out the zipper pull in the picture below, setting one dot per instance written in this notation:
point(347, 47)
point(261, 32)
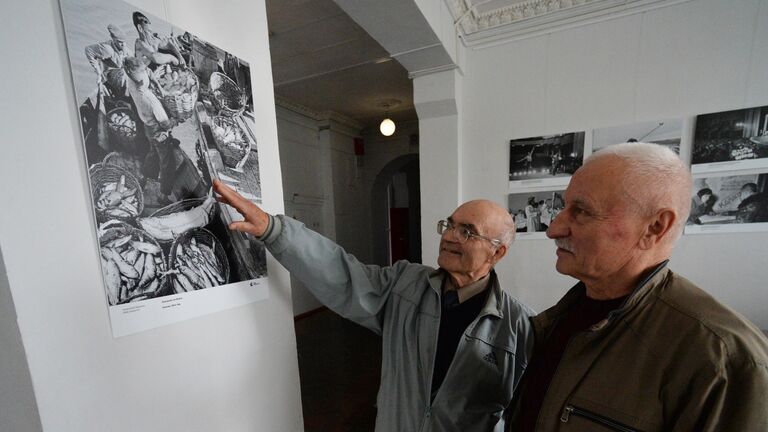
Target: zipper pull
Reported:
point(566, 414)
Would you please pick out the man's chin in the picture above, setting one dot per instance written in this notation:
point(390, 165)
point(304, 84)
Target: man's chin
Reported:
point(445, 261)
point(563, 268)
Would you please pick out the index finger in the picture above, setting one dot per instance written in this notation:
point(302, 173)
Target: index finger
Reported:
point(234, 198)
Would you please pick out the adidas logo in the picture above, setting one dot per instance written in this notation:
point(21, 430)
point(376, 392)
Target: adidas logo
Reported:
point(491, 358)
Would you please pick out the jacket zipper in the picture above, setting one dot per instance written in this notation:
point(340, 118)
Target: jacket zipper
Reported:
point(430, 401)
point(597, 418)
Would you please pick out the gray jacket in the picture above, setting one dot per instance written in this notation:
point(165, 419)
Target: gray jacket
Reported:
point(402, 304)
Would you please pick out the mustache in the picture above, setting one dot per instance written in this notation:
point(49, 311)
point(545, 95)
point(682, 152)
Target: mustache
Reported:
point(564, 244)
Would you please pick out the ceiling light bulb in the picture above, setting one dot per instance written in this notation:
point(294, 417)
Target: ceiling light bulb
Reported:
point(387, 127)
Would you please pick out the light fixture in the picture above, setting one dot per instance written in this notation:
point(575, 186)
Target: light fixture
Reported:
point(387, 126)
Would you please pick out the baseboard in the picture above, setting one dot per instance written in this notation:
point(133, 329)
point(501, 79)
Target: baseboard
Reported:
point(308, 314)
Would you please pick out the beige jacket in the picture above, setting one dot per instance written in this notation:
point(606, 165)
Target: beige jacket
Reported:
point(671, 358)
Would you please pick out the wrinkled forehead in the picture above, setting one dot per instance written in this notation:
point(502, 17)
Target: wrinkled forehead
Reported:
point(601, 183)
point(479, 217)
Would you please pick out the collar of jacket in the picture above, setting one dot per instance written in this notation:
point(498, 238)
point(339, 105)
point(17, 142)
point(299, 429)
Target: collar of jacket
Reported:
point(493, 303)
point(547, 318)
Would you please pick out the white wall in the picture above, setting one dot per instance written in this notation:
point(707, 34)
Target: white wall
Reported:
point(231, 371)
point(696, 57)
point(439, 17)
point(18, 408)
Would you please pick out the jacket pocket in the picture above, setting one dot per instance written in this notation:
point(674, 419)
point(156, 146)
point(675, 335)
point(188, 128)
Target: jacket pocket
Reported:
point(609, 423)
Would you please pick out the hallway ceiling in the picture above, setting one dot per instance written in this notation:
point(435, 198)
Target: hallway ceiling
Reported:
point(324, 61)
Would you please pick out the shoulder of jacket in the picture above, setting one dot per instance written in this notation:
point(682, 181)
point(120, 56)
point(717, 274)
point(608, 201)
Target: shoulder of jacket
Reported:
point(516, 308)
point(713, 324)
point(412, 278)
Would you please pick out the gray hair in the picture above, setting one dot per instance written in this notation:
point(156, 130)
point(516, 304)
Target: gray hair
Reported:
point(507, 236)
point(656, 178)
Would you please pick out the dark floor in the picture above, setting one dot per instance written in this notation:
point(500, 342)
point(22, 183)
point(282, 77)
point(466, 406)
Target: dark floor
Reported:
point(339, 366)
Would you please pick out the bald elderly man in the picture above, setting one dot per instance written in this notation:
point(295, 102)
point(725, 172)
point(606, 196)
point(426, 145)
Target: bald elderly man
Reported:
point(634, 346)
point(454, 344)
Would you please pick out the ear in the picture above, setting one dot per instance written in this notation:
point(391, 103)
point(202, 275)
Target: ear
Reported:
point(658, 228)
point(498, 254)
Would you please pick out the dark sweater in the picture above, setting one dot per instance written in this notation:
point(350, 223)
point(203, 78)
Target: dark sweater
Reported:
point(454, 320)
point(584, 314)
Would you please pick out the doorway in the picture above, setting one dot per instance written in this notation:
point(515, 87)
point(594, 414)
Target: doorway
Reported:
point(396, 212)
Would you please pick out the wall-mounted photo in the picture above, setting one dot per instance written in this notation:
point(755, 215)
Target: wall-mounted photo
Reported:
point(163, 113)
point(731, 140)
point(729, 203)
point(663, 132)
point(546, 160)
point(534, 211)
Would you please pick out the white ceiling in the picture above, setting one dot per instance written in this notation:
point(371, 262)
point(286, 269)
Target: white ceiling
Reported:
point(323, 60)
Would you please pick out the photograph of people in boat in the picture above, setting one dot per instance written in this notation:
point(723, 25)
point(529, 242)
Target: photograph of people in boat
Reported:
point(545, 156)
point(738, 135)
point(739, 199)
point(534, 211)
point(666, 132)
point(163, 113)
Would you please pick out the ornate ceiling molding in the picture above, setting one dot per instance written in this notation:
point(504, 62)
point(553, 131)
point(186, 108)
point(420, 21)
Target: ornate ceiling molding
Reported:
point(318, 116)
point(534, 16)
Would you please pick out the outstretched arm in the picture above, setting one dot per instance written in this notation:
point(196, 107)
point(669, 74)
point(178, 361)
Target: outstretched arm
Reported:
point(354, 290)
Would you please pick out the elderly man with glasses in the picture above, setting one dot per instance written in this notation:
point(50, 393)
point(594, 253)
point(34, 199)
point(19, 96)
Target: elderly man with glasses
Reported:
point(454, 344)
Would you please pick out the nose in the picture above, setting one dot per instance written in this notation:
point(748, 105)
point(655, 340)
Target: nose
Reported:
point(450, 235)
point(558, 227)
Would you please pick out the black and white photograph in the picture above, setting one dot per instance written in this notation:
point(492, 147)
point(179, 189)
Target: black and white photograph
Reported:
point(729, 203)
point(545, 160)
point(730, 140)
point(667, 132)
point(163, 113)
point(534, 211)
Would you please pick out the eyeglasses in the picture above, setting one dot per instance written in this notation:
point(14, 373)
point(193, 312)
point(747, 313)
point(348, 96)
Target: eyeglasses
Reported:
point(462, 233)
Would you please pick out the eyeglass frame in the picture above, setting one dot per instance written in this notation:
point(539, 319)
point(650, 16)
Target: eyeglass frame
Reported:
point(450, 226)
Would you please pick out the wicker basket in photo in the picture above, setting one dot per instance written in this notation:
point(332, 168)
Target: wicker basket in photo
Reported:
point(180, 106)
point(201, 236)
point(228, 97)
point(126, 161)
point(181, 206)
point(235, 154)
point(114, 230)
point(103, 174)
point(123, 136)
point(205, 59)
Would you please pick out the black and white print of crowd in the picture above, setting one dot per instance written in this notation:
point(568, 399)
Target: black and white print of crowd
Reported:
point(737, 135)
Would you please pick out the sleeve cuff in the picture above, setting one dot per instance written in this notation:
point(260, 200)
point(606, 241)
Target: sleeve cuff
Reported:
point(274, 228)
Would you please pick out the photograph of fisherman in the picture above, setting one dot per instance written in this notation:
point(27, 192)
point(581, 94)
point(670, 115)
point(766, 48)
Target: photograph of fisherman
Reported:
point(154, 49)
point(160, 162)
point(454, 343)
point(107, 58)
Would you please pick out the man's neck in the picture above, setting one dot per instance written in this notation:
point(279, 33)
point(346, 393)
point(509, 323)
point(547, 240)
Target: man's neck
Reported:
point(460, 280)
point(620, 284)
